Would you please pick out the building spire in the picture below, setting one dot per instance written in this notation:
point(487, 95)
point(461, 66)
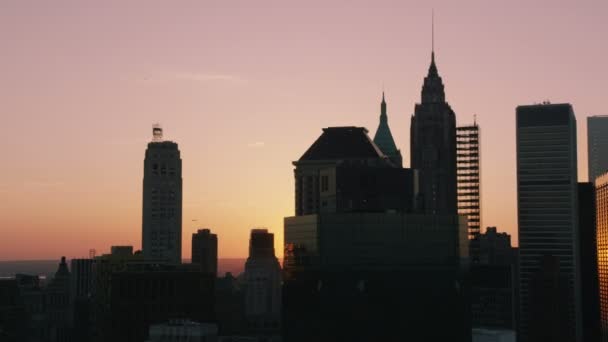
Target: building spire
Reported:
point(433, 36)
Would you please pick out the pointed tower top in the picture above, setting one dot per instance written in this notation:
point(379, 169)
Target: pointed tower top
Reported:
point(383, 97)
point(433, 35)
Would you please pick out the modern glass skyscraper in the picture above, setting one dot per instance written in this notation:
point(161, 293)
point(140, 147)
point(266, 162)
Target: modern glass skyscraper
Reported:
point(548, 223)
point(162, 201)
point(597, 145)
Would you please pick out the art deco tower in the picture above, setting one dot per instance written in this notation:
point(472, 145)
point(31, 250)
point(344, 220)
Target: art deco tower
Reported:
point(162, 201)
point(384, 139)
point(433, 146)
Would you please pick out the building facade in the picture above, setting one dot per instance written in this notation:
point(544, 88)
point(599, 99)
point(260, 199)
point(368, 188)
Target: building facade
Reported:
point(162, 201)
point(263, 284)
point(204, 250)
point(589, 269)
point(468, 172)
point(601, 195)
point(433, 146)
point(547, 204)
point(384, 138)
point(597, 145)
point(363, 265)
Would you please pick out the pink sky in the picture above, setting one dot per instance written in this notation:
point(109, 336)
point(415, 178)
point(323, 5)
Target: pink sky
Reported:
point(245, 87)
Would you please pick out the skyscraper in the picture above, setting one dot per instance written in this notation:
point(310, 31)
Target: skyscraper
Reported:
point(590, 299)
point(263, 278)
point(548, 222)
point(597, 145)
point(162, 200)
point(469, 202)
point(364, 265)
point(204, 250)
point(433, 146)
point(384, 139)
point(601, 196)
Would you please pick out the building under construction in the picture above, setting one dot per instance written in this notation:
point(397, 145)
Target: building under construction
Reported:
point(469, 203)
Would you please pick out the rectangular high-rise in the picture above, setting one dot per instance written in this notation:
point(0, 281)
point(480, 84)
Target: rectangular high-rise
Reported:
point(204, 250)
point(547, 211)
point(597, 145)
point(162, 201)
point(467, 172)
point(601, 197)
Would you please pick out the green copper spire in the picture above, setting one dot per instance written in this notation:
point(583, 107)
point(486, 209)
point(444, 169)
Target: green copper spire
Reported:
point(384, 139)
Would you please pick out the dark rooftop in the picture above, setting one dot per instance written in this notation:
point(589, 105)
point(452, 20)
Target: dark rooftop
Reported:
point(342, 143)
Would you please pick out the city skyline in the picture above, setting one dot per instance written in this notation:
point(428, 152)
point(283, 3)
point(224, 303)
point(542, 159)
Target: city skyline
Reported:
point(242, 104)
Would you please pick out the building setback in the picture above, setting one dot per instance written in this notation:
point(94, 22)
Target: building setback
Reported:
point(162, 201)
point(433, 146)
point(547, 188)
point(597, 145)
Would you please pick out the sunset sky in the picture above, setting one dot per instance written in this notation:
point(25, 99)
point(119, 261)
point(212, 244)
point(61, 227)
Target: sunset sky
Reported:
point(244, 87)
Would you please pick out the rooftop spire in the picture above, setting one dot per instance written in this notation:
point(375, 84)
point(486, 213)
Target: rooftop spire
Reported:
point(433, 36)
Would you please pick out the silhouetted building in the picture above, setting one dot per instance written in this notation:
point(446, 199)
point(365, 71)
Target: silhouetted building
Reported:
point(121, 250)
point(547, 191)
point(549, 303)
point(433, 146)
point(58, 304)
point(601, 196)
point(344, 171)
point(81, 300)
point(32, 297)
point(142, 294)
point(204, 250)
point(13, 318)
point(162, 201)
point(104, 267)
point(384, 138)
point(263, 284)
point(183, 331)
point(230, 305)
point(369, 275)
point(469, 195)
point(589, 266)
point(495, 248)
point(597, 145)
point(494, 282)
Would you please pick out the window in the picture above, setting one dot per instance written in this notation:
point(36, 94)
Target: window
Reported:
point(324, 183)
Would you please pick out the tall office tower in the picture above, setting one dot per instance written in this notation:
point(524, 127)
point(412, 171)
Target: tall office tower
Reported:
point(363, 265)
point(263, 279)
point(601, 196)
point(162, 202)
point(58, 304)
point(433, 146)
point(547, 191)
point(384, 139)
point(588, 247)
point(468, 166)
point(204, 250)
point(597, 145)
